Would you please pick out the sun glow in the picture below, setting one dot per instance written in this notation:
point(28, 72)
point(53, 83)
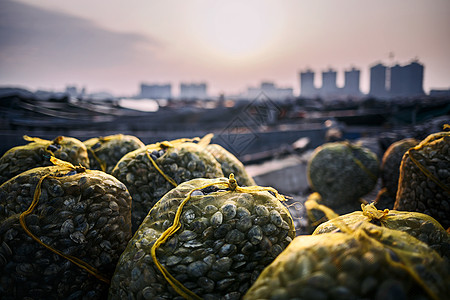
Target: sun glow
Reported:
point(238, 29)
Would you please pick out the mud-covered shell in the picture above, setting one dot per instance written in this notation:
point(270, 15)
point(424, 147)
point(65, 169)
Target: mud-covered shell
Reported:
point(86, 215)
point(390, 165)
point(370, 263)
point(110, 149)
point(147, 185)
point(342, 172)
point(224, 241)
point(230, 164)
point(37, 153)
point(424, 184)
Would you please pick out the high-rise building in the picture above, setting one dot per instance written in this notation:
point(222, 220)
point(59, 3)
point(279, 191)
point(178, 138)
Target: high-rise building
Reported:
point(406, 81)
point(270, 90)
point(378, 81)
point(307, 88)
point(351, 87)
point(156, 91)
point(193, 90)
point(329, 86)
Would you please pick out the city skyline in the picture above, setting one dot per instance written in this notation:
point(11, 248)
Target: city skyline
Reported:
point(232, 45)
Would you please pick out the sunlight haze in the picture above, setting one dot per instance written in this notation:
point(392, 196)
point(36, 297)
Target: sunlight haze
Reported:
point(116, 45)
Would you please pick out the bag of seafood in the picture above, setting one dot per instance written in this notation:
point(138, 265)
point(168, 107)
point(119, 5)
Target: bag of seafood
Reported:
point(105, 152)
point(62, 230)
point(150, 172)
point(367, 262)
point(342, 172)
point(37, 153)
point(424, 184)
point(207, 238)
point(421, 226)
point(230, 164)
point(390, 171)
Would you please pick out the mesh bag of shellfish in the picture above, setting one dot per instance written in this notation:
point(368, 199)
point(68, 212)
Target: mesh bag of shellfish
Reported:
point(370, 262)
point(207, 238)
point(105, 152)
point(424, 184)
point(62, 231)
point(420, 226)
point(37, 153)
point(316, 216)
point(342, 172)
point(152, 171)
point(230, 164)
point(390, 171)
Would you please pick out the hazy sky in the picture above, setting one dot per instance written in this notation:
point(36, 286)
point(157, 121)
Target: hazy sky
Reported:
point(114, 45)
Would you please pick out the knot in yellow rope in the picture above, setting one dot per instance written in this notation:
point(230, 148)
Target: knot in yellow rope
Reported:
point(372, 212)
point(232, 183)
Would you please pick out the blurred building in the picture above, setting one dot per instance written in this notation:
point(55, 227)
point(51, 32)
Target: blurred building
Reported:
point(270, 90)
point(193, 91)
point(378, 81)
point(406, 81)
point(397, 81)
point(329, 87)
point(351, 87)
point(156, 91)
point(307, 88)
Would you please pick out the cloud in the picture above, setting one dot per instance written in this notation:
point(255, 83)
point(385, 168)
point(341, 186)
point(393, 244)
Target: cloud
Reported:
point(34, 38)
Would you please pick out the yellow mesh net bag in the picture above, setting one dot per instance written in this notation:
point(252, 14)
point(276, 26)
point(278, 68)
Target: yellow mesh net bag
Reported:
point(37, 153)
point(207, 238)
point(230, 164)
point(368, 262)
point(424, 184)
point(105, 152)
point(420, 226)
point(62, 230)
point(150, 172)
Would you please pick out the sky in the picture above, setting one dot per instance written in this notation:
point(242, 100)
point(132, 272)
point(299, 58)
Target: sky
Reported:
point(115, 45)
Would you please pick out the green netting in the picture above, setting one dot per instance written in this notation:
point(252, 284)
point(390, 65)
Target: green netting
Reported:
point(366, 262)
point(150, 172)
point(342, 172)
point(62, 231)
point(420, 226)
point(424, 184)
point(207, 238)
point(37, 154)
point(230, 164)
point(105, 152)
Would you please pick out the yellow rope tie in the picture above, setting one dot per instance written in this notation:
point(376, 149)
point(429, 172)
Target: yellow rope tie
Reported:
point(233, 187)
point(83, 265)
point(160, 171)
point(372, 212)
point(101, 162)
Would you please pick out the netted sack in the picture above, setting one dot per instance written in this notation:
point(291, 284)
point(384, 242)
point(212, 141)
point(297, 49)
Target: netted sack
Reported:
point(150, 172)
point(105, 152)
point(371, 262)
point(62, 231)
point(390, 165)
point(37, 154)
point(424, 184)
point(420, 226)
point(342, 172)
point(230, 164)
point(207, 238)
point(316, 216)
